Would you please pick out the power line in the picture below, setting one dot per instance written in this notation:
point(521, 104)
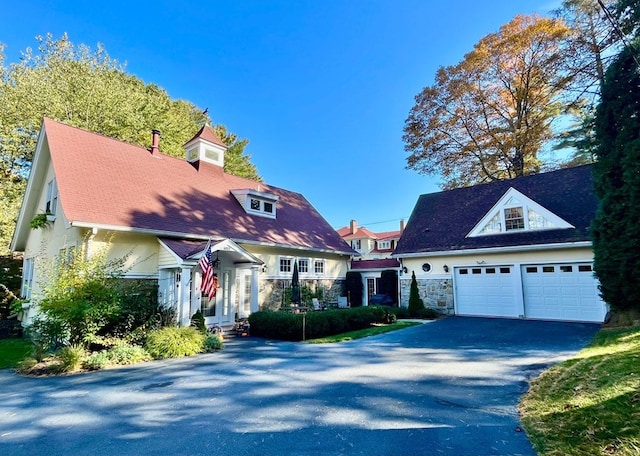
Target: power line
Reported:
point(385, 221)
point(616, 28)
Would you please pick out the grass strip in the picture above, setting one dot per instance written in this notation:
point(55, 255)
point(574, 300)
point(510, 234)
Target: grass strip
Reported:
point(589, 405)
point(12, 351)
point(359, 334)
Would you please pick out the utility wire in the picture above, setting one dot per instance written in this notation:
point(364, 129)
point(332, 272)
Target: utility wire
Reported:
point(616, 28)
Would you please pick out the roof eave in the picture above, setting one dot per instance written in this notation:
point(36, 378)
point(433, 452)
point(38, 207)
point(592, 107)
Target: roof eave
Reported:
point(509, 249)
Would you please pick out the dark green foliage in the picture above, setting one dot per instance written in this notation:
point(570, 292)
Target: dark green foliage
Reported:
point(10, 281)
point(616, 228)
point(288, 326)
point(353, 288)
point(306, 293)
point(415, 302)
point(197, 321)
point(389, 284)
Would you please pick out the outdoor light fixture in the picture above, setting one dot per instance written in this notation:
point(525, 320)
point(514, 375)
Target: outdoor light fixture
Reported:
point(216, 262)
point(446, 268)
point(404, 269)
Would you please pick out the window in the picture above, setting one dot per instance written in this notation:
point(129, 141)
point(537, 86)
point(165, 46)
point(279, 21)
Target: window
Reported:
point(52, 197)
point(255, 204)
point(584, 268)
point(285, 264)
point(490, 270)
point(548, 269)
point(516, 212)
point(318, 266)
point(426, 267)
point(566, 268)
point(303, 265)
point(27, 278)
point(464, 271)
point(476, 271)
point(356, 244)
point(513, 218)
point(212, 155)
point(268, 207)
point(531, 269)
point(505, 270)
point(384, 245)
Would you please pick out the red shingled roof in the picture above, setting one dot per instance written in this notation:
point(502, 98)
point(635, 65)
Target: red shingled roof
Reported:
point(103, 181)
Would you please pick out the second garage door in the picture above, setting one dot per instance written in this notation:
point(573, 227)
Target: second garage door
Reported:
point(562, 292)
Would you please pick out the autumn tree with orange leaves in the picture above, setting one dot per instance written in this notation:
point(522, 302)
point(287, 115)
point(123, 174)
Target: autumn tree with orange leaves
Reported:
point(488, 117)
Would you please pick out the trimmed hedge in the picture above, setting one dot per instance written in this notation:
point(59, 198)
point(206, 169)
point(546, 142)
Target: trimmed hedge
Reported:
point(288, 326)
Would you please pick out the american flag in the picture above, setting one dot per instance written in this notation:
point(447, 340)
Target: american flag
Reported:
point(208, 284)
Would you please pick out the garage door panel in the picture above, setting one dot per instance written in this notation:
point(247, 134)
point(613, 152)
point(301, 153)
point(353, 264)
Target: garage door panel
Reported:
point(562, 292)
point(486, 291)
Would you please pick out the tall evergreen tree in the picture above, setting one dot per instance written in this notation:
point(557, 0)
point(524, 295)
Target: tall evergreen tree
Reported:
point(616, 229)
point(415, 301)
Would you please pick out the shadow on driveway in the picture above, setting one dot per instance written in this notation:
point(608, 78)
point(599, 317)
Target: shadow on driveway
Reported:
point(446, 387)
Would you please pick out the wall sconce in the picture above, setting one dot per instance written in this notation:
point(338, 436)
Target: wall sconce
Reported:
point(404, 269)
point(264, 268)
point(446, 268)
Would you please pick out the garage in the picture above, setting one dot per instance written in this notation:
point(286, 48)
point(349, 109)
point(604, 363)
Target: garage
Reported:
point(567, 292)
point(487, 291)
point(562, 292)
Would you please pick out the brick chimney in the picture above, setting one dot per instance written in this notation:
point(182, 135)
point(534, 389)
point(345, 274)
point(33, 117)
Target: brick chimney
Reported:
point(353, 226)
point(155, 141)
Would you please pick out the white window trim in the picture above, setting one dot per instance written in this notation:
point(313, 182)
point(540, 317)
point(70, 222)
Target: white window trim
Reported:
point(280, 258)
point(526, 204)
point(28, 267)
point(52, 197)
point(324, 267)
point(308, 260)
point(246, 196)
point(384, 245)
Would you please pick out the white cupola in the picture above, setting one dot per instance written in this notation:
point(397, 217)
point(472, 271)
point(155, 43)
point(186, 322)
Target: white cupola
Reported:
point(205, 147)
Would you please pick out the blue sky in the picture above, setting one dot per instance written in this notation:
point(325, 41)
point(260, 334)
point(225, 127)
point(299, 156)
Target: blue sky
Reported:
point(321, 88)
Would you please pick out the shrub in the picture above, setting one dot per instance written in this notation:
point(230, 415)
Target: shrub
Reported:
point(415, 302)
point(213, 342)
point(353, 288)
point(71, 358)
point(288, 326)
point(427, 314)
point(197, 321)
point(123, 353)
point(97, 360)
point(400, 312)
point(174, 342)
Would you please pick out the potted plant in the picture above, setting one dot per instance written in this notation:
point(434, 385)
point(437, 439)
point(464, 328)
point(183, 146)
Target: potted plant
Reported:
point(39, 221)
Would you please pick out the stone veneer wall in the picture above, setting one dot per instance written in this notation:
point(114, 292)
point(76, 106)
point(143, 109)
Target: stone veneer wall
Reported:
point(272, 291)
point(436, 294)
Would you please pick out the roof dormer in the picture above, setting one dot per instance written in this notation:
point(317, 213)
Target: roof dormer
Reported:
point(516, 212)
point(206, 147)
point(255, 202)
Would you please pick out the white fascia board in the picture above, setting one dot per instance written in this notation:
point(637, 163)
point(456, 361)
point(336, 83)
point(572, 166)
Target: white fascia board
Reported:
point(129, 229)
point(510, 249)
point(27, 199)
point(292, 247)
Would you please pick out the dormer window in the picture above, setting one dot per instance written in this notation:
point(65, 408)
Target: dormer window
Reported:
point(52, 198)
point(515, 212)
point(256, 202)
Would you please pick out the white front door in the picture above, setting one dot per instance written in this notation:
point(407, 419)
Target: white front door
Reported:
point(244, 289)
point(227, 314)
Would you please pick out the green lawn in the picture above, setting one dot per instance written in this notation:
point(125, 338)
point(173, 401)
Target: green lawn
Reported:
point(12, 351)
point(371, 331)
point(589, 405)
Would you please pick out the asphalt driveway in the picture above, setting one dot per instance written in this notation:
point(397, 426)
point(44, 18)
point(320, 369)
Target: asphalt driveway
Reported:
point(448, 387)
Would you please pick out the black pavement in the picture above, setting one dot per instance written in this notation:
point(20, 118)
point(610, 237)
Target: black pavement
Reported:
point(448, 387)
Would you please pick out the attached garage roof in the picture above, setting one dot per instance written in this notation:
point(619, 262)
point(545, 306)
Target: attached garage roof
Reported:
point(442, 221)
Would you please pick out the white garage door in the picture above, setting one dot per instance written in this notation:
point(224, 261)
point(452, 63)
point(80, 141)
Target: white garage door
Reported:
point(562, 292)
point(486, 291)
